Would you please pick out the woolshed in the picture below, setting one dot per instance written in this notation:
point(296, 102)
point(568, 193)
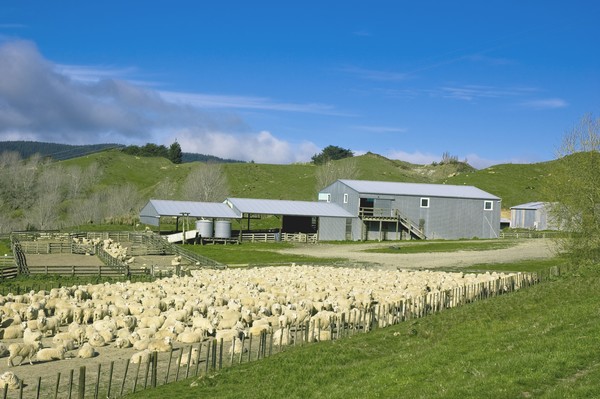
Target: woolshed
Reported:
point(532, 215)
point(393, 211)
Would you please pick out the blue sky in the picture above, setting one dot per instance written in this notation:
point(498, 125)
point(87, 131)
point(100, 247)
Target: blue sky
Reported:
point(486, 81)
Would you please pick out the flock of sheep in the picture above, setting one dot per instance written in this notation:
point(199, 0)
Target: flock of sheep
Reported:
point(230, 304)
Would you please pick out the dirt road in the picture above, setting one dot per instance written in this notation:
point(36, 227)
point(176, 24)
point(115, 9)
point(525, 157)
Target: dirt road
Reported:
point(526, 249)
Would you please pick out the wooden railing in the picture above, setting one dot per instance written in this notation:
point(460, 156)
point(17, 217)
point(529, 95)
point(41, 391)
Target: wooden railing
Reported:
point(387, 214)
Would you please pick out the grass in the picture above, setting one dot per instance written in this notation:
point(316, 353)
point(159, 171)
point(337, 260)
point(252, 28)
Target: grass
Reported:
point(444, 246)
point(256, 254)
point(539, 342)
point(5, 247)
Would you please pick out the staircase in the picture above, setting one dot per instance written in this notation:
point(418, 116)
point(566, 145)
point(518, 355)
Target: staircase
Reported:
point(393, 216)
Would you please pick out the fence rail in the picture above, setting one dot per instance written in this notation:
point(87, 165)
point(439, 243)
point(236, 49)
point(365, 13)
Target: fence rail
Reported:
point(113, 379)
point(100, 271)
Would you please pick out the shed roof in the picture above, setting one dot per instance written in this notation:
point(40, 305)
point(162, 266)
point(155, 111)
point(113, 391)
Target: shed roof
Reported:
point(530, 206)
point(156, 208)
point(417, 189)
point(286, 207)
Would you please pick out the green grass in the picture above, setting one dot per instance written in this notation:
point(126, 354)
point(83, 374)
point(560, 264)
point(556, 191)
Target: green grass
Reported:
point(5, 247)
point(256, 254)
point(540, 342)
point(531, 265)
point(443, 246)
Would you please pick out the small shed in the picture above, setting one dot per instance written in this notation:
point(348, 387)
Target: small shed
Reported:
point(532, 215)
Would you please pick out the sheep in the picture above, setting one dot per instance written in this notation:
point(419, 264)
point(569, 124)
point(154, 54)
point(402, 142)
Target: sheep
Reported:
point(24, 351)
point(97, 340)
point(141, 344)
point(48, 325)
point(10, 380)
point(86, 351)
point(194, 358)
point(141, 357)
point(12, 332)
point(122, 343)
point(29, 337)
point(161, 345)
point(47, 354)
point(191, 336)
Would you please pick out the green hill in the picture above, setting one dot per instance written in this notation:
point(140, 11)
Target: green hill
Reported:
point(514, 183)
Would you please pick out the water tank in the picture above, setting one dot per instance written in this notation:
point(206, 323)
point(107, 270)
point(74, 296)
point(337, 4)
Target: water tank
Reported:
point(205, 228)
point(223, 229)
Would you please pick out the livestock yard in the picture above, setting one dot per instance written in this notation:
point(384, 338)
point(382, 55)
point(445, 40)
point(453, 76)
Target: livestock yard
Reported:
point(229, 316)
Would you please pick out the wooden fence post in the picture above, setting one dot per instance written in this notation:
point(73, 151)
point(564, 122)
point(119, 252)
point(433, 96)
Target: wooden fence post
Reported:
point(110, 374)
point(97, 381)
point(71, 383)
point(57, 385)
point(81, 392)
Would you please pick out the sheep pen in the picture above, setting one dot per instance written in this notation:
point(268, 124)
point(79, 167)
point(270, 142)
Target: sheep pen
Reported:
point(232, 314)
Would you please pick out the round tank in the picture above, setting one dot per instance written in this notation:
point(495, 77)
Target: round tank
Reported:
point(205, 228)
point(223, 229)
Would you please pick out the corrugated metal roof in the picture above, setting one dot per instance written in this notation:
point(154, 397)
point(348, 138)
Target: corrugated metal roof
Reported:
point(530, 206)
point(291, 208)
point(195, 209)
point(417, 189)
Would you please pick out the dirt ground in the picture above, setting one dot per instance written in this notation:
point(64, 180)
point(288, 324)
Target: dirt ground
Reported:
point(526, 249)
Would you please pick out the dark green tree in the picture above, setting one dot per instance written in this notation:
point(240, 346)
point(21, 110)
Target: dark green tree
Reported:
point(175, 154)
point(331, 153)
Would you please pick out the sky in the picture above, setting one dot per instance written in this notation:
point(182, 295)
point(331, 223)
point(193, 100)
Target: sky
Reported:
point(489, 82)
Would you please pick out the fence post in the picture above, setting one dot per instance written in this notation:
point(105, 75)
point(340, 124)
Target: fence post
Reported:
point(57, 385)
point(154, 370)
point(110, 374)
point(81, 394)
point(70, 383)
point(97, 382)
point(124, 377)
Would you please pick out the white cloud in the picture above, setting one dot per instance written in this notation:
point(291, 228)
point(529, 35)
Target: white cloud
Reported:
point(416, 157)
point(548, 103)
point(42, 101)
point(260, 147)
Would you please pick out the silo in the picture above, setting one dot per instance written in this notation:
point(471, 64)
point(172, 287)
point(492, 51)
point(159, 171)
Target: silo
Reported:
point(205, 228)
point(223, 229)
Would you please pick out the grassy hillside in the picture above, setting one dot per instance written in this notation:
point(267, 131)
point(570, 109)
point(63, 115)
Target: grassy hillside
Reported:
point(514, 183)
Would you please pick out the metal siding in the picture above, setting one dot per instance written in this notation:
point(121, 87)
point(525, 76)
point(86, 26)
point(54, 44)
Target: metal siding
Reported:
point(332, 229)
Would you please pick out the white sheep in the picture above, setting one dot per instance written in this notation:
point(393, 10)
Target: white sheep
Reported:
point(48, 325)
point(9, 379)
point(122, 343)
point(161, 345)
point(47, 354)
point(191, 336)
point(194, 358)
point(22, 350)
point(86, 351)
point(13, 331)
point(97, 340)
point(141, 357)
point(30, 337)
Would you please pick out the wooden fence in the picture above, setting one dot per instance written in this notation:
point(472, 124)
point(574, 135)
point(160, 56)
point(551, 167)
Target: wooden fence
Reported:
point(113, 379)
point(275, 237)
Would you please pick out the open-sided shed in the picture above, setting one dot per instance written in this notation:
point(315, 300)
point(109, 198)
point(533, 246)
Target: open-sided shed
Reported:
point(152, 212)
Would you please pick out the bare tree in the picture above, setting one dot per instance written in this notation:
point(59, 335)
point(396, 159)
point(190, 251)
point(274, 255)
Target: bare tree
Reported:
point(334, 170)
point(206, 183)
point(574, 189)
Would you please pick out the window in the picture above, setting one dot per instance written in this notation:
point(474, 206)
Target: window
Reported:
point(424, 202)
point(345, 198)
point(488, 205)
point(325, 197)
